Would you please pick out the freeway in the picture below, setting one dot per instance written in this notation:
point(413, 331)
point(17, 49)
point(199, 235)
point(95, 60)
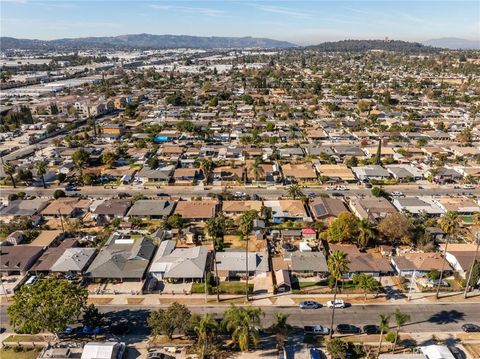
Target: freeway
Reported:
point(268, 192)
point(424, 317)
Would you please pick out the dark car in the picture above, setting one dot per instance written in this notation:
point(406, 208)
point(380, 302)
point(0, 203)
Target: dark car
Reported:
point(371, 329)
point(471, 328)
point(347, 329)
point(368, 185)
point(124, 195)
point(309, 304)
point(71, 187)
point(163, 195)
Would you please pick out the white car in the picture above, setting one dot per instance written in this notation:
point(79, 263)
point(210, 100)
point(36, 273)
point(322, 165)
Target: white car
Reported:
point(397, 194)
point(468, 186)
point(341, 188)
point(339, 303)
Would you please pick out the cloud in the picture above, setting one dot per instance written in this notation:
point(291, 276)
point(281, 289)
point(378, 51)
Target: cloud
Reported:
point(190, 10)
point(282, 10)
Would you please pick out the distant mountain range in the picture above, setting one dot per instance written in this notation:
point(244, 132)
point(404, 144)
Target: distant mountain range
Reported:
point(453, 43)
point(368, 45)
point(142, 41)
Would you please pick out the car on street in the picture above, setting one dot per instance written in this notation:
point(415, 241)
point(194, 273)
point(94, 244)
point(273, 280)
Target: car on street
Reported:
point(397, 194)
point(239, 194)
point(371, 329)
point(71, 187)
point(471, 328)
point(468, 186)
point(316, 330)
point(347, 329)
point(339, 303)
point(311, 195)
point(309, 304)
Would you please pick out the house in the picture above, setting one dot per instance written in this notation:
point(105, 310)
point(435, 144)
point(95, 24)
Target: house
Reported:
point(370, 172)
point(307, 263)
point(14, 238)
point(460, 256)
point(405, 172)
point(112, 130)
point(66, 207)
point(282, 278)
point(196, 210)
point(234, 209)
point(179, 264)
point(123, 259)
point(462, 205)
point(298, 173)
point(47, 238)
point(231, 265)
point(326, 208)
point(110, 209)
point(161, 174)
point(335, 172)
point(22, 208)
point(226, 174)
point(268, 172)
point(185, 176)
point(371, 208)
point(369, 264)
point(291, 234)
point(418, 205)
point(418, 263)
point(18, 259)
point(151, 209)
point(74, 260)
point(309, 234)
point(287, 210)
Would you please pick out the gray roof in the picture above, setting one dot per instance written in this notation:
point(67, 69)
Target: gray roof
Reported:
point(21, 207)
point(122, 260)
point(148, 207)
point(73, 259)
point(113, 207)
point(180, 262)
point(309, 262)
point(235, 261)
point(161, 174)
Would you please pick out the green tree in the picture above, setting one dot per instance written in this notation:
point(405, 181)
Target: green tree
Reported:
point(41, 168)
point(400, 319)
point(206, 329)
point(378, 155)
point(108, 159)
point(245, 226)
point(242, 323)
point(48, 305)
point(92, 317)
point(10, 170)
point(295, 191)
point(396, 227)
point(344, 228)
point(257, 169)
point(166, 321)
point(365, 233)
point(58, 193)
point(384, 328)
point(280, 328)
point(379, 192)
point(80, 159)
point(176, 221)
point(366, 282)
point(337, 266)
point(337, 348)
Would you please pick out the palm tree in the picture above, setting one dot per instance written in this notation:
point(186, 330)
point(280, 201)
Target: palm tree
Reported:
point(295, 191)
point(450, 224)
point(384, 327)
point(9, 170)
point(365, 233)
point(215, 228)
point(206, 165)
point(280, 328)
point(476, 220)
point(400, 320)
point(41, 168)
point(242, 322)
point(246, 226)
point(365, 282)
point(337, 266)
point(256, 169)
point(205, 328)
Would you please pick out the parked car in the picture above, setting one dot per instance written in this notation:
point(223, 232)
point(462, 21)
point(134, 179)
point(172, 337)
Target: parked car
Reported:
point(468, 186)
point(32, 280)
point(339, 303)
point(371, 329)
point(309, 304)
point(471, 328)
point(316, 330)
point(347, 329)
point(397, 194)
point(71, 187)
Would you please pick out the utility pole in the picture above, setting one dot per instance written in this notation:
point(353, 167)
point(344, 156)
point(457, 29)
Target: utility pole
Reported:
point(443, 266)
point(467, 285)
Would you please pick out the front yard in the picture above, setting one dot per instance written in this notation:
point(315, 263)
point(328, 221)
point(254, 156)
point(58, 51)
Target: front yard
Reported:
point(21, 354)
point(225, 288)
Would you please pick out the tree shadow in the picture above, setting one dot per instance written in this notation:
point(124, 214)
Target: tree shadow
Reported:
point(134, 321)
point(446, 317)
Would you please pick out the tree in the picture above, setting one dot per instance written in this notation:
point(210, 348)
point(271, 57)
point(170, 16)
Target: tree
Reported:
point(41, 168)
point(344, 228)
point(378, 155)
point(450, 224)
point(58, 194)
point(400, 320)
point(352, 162)
point(295, 191)
point(245, 227)
point(365, 233)
point(166, 321)
point(396, 227)
point(80, 158)
point(10, 170)
point(205, 327)
point(379, 192)
point(337, 266)
point(242, 323)
point(206, 165)
point(48, 305)
point(337, 348)
point(366, 282)
point(384, 328)
point(280, 327)
point(175, 221)
point(109, 158)
point(92, 317)
point(257, 169)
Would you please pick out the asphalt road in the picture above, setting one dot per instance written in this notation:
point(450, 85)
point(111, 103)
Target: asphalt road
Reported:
point(272, 192)
point(424, 317)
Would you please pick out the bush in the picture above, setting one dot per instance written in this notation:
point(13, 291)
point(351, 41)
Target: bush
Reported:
point(58, 194)
point(390, 336)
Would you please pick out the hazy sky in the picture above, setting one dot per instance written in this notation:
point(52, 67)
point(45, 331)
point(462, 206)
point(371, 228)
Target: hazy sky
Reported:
point(301, 22)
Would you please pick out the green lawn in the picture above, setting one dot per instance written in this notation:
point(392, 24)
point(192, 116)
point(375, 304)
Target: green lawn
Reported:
point(225, 288)
point(25, 338)
point(12, 354)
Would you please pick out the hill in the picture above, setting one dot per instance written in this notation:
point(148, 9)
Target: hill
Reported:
point(142, 41)
point(453, 43)
point(368, 45)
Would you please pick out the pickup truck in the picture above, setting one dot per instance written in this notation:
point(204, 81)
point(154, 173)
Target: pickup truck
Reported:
point(316, 330)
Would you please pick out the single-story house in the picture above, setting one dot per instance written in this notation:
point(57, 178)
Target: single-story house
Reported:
point(152, 209)
point(418, 263)
point(196, 210)
point(232, 264)
point(313, 263)
point(18, 259)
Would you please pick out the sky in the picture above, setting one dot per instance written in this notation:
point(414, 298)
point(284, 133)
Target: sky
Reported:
point(300, 22)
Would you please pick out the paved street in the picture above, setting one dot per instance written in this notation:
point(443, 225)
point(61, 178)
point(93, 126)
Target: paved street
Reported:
point(424, 317)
